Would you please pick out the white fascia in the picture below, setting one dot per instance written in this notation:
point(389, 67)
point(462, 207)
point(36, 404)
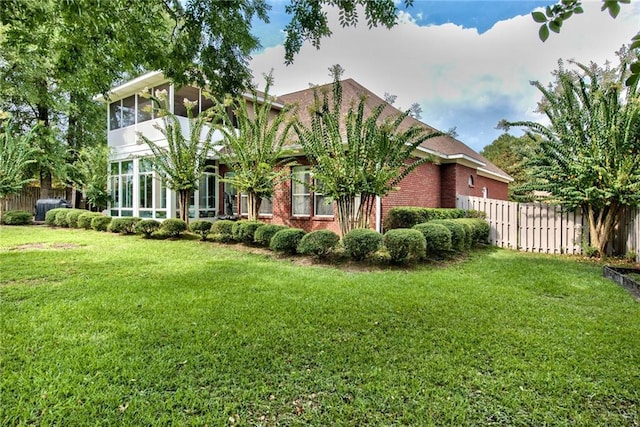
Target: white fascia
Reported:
point(153, 78)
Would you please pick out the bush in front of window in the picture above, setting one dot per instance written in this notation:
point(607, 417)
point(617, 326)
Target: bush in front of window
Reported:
point(50, 216)
point(201, 228)
point(101, 223)
point(244, 231)
point(146, 227)
point(361, 242)
point(61, 218)
point(438, 237)
point(318, 243)
point(73, 215)
point(264, 233)
point(84, 220)
point(17, 218)
point(173, 227)
point(124, 225)
point(405, 245)
point(287, 240)
point(222, 231)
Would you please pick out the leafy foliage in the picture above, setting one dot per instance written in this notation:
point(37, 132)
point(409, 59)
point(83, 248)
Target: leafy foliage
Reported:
point(589, 155)
point(358, 154)
point(222, 231)
point(254, 149)
point(183, 161)
point(17, 218)
point(101, 223)
point(459, 236)
point(361, 242)
point(244, 231)
point(147, 227)
point(50, 216)
point(73, 215)
point(92, 174)
point(287, 240)
point(124, 225)
point(437, 236)
point(201, 228)
point(408, 216)
point(264, 233)
point(405, 245)
point(173, 227)
point(84, 220)
point(318, 243)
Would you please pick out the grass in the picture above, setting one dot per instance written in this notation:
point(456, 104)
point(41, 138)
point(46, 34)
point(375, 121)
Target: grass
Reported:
point(100, 329)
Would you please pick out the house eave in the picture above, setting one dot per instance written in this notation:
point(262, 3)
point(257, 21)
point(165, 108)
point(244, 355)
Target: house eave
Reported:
point(134, 86)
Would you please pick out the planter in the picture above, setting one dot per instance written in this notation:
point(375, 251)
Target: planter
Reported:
point(621, 276)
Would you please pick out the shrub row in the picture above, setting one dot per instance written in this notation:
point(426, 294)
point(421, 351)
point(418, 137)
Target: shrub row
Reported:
point(17, 218)
point(407, 217)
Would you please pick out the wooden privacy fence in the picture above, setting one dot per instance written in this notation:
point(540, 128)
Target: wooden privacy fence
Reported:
point(539, 227)
point(26, 199)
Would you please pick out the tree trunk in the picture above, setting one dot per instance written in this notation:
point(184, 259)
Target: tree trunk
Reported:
point(253, 206)
point(46, 179)
point(183, 198)
point(347, 216)
point(602, 222)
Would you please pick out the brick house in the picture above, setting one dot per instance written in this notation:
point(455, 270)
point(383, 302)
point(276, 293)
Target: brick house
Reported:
point(137, 191)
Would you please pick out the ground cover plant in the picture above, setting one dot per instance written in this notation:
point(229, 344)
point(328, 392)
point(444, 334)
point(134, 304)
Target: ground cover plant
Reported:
point(98, 328)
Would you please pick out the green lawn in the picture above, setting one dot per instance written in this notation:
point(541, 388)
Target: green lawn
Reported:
point(100, 329)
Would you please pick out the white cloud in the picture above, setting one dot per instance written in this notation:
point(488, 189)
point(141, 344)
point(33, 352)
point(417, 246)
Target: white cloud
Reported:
point(461, 78)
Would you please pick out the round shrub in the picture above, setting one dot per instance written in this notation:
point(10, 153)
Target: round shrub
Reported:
point(61, 218)
point(84, 220)
point(72, 217)
point(468, 229)
point(17, 218)
point(361, 242)
point(405, 245)
point(173, 227)
point(50, 216)
point(459, 237)
point(479, 227)
point(100, 223)
point(438, 237)
point(318, 243)
point(287, 240)
point(264, 233)
point(126, 225)
point(146, 227)
point(201, 228)
point(222, 231)
point(243, 231)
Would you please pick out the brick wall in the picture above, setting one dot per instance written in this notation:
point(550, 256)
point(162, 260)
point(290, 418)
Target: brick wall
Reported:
point(495, 189)
point(420, 188)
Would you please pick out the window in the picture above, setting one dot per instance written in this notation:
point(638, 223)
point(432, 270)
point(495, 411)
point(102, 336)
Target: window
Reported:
point(189, 93)
point(115, 115)
point(121, 188)
point(207, 196)
point(300, 193)
point(128, 111)
point(144, 110)
point(266, 206)
point(322, 205)
point(470, 180)
point(145, 187)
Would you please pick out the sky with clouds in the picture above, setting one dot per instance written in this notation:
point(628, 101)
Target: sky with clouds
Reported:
point(468, 63)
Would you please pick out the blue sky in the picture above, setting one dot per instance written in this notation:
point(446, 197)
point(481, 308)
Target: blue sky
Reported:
point(467, 63)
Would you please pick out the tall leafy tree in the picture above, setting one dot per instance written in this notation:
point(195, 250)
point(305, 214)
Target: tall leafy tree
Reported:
point(91, 175)
point(16, 154)
point(183, 160)
point(589, 154)
point(254, 149)
point(356, 155)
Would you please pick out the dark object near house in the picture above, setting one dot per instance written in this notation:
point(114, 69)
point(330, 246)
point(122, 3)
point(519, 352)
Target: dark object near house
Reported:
point(625, 277)
point(45, 205)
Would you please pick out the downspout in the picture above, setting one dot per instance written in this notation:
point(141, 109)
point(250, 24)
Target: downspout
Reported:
point(378, 214)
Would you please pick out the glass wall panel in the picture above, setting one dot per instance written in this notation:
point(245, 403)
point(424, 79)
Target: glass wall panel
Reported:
point(187, 93)
point(129, 111)
point(115, 115)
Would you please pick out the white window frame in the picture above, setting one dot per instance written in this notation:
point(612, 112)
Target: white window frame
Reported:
point(299, 173)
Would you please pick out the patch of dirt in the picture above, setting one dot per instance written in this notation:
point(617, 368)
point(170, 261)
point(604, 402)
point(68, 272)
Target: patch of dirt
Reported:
point(41, 246)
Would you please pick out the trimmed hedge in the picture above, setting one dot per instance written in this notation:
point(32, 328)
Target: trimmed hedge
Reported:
point(407, 217)
point(243, 231)
point(61, 218)
point(101, 223)
point(480, 229)
point(173, 227)
point(84, 220)
point(201, 228)
point(124, 225)
point(50, 216)
point(287, 240)
point(147, 227)
point(318, 243)
point(404, 244)
point(264, 233)
point(437, 236)
point(17, 218)
point(459, 234)
point(73, 215)
point(222, 231)
point(361, 242)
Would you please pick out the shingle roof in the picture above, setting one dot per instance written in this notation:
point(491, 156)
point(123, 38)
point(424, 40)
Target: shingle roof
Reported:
point(445, 147)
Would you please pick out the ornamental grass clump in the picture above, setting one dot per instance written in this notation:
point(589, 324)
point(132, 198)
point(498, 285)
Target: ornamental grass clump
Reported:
point(405, 245)
point(437, 236)
point(264, 233)
point(17, 218)
point(287, 240)
point(147, 227)
point(361, 242)
point(318, 243)
point(201, 228)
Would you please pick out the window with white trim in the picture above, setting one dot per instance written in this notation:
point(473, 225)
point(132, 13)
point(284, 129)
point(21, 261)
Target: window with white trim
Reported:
point(322, 205)
point(300, 191)
point(266, 206)
point(121, 188)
